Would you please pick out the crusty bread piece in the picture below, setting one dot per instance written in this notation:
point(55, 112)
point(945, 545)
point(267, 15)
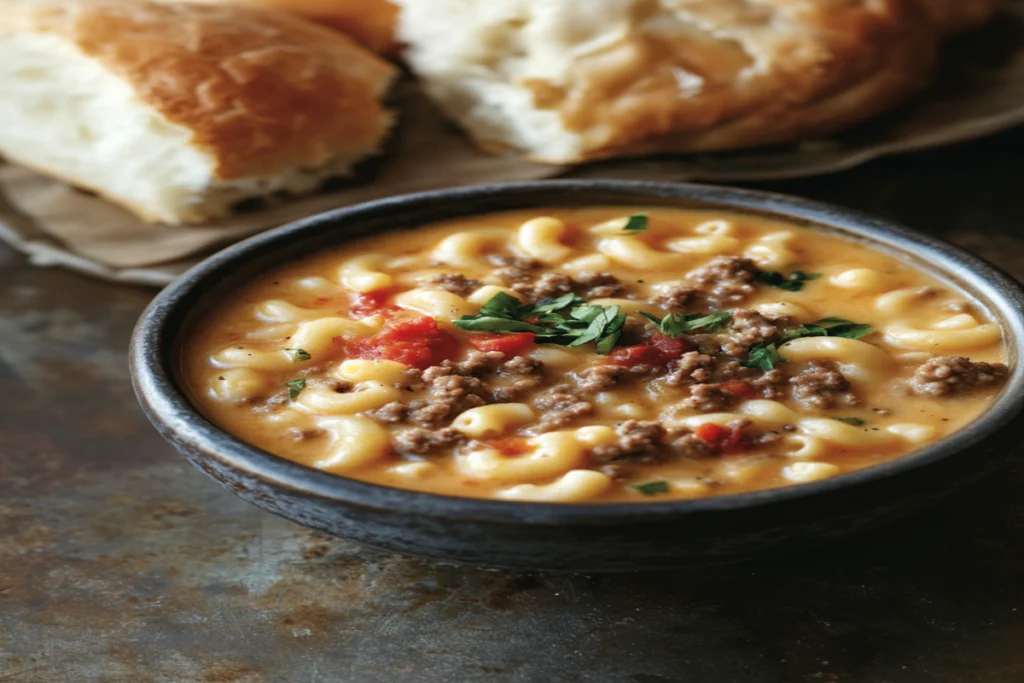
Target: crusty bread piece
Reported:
point(956, 16)
point(179, 111)
point(371, 22)
point(573, 80)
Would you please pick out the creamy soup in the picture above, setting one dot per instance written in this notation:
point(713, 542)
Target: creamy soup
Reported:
point(595, 354)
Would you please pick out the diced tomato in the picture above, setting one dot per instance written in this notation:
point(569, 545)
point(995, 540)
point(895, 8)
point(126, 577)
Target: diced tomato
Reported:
point(417, 342)
point(728, 439)
point(509, 344)
point(512, 446)
point(660, 349)
point(369, 303)
point(736, 441)
point(670, 349)
point(639, 354)
point(739, 388)
point(712, 433)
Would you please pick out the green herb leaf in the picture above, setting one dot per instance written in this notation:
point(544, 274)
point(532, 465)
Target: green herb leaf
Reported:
point(611, 335)
point(855, 421)
point(295, 387)
point(299, 355)
point(793, 282)
point(567, 321)
point(829, 327)
point(493, 324)
point(600, 320)
point(636, 223)
point(503, 305)
point(653, 318)
point(587, 313)
point(651, 488)
point(763, 357)
point(709, 323)
point(674, 324)
point(551, 305)
point(841, 327)
point(766, 356)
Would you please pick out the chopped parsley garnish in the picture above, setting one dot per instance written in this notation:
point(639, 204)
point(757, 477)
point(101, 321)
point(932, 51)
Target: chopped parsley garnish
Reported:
point(855, 421)
point(765, 356)
point(299, 355)
point(674, 324)
point(651, 488)
point(793, 282)
point(635, 223)
point(295, 387)
point(830, 327)
point(566, 321)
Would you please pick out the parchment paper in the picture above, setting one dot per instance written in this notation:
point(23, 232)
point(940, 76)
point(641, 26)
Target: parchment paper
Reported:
point(979, 90)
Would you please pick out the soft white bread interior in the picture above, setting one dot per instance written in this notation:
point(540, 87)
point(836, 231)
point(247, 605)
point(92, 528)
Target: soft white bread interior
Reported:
point(179, 111)
point(573, 80)
point(371, 22)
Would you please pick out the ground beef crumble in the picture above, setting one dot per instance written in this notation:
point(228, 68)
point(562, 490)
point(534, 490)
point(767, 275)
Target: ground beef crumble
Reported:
point(514, 268)
point(597, 285)
point(455, 386)
point(597, 378)
point(547, 286)
point(689, 445)
point(449, 396)
point(523, 365)
point(588, 284)
point(476, 363)
point(526, 375)
point(674, 296)
point(637, 441)
point(725, 281)
point(418, 441)
point(693, 367)
point(393, 412)
point(560, 408)
point(749, 328)
point(821, 385)
point(456, 283)
point(708, 398)
point(770, 384)
point(947, 375)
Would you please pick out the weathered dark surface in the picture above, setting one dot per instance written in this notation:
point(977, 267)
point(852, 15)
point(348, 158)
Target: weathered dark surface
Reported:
point(120, 563)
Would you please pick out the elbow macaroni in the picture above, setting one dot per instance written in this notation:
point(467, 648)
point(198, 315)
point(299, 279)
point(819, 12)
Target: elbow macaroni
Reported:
point(478, 413)
point(539, 238)
point(493, 420)
point(365, 273)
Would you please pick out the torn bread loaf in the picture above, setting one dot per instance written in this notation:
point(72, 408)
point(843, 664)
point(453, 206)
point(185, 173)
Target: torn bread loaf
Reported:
point(370, 22)
point(178, 111)
point(573, 80)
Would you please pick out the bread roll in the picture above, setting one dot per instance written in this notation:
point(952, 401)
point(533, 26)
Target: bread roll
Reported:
point(573, 80)
point(955, 16)
point(371, 22)
point(178, 110)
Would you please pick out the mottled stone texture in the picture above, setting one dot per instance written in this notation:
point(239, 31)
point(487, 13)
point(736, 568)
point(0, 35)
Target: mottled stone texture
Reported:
point(118, 562)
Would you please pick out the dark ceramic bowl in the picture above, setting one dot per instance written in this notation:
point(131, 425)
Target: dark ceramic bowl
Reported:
point(578, 537)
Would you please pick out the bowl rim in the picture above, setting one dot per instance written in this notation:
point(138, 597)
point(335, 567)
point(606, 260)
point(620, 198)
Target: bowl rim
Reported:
point(169, 409)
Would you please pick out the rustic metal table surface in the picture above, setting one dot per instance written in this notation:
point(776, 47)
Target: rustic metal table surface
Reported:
point(118, 562)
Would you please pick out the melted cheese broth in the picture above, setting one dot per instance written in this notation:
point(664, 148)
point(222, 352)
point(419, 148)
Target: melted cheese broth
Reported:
point(856, 283)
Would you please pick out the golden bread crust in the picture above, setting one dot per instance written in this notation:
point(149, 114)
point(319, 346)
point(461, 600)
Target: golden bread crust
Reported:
point(689, 75)
point(832, 65)
point(370, 22)
point(261, 91)
point(956, 16)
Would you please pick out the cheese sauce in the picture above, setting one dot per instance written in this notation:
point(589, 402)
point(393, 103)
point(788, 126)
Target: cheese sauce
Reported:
point(595, 354)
